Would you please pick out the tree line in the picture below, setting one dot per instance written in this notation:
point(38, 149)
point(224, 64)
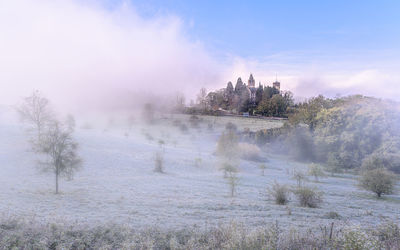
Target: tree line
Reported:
point(355, 133)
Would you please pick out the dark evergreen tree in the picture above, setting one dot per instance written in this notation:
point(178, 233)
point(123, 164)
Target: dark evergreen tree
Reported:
point(244, 99)
point(229, 88)
point(269, 92)
point(259, 94)
point(229, 95)
point(239, 86)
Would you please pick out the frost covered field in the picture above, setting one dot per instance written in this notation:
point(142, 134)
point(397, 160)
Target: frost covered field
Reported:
point(117, 183)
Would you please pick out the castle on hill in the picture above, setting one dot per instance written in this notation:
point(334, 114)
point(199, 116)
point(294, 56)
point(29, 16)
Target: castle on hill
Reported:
point(242, 97)
point(251, 86)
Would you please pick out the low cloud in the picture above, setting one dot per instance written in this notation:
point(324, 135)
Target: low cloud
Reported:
point(369, 82)
point(86, 55)
point(338, 77)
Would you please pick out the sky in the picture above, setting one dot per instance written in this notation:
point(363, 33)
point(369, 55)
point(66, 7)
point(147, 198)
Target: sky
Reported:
point(261, 28)
point(82, 52)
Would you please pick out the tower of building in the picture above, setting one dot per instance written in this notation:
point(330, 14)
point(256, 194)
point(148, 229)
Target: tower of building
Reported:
point(251, 83)
point(276, 84)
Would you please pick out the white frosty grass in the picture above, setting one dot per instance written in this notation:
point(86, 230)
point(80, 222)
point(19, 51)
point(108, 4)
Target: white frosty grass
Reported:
point(118, 185)
point(253, 124)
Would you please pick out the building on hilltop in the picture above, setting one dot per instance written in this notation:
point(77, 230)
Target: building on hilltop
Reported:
point(252, 90)
point(241, 95)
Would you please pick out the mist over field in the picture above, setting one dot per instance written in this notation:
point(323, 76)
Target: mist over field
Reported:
point(199, 125)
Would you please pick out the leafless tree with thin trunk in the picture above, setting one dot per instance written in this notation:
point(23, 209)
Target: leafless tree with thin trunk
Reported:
point(233, 181)
point(35, 110)
point(179, 101)
point(60, 151)
point(202, 98)
point(159, 162)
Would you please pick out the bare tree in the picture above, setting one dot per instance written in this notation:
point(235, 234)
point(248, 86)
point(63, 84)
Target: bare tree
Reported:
point(159, 162)
point(148, 113)
point(262, 167)
point(60, 151)
point(316, 171)
point(70, 122)
point(179, 101)
point(233, 181)
point(299, 176)
point(228, 168)
point(35, 110)
point(201, 98)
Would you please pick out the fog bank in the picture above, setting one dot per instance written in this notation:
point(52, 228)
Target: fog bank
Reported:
point(84, 55)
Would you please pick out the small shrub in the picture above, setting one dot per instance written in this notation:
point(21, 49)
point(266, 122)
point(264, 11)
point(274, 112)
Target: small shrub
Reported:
point(380, 181)
point(280, 193)
point(231, 127)
point(197, 162)
point(332, 215)
point(183, 128)
point(210, 127)
point(316, 171)
point(161, 142)
point(159, 163)
point(249, 151)
point(176, 123)
point(149, 136)
point(194, 121)
point(227, 145)
point(308, 197)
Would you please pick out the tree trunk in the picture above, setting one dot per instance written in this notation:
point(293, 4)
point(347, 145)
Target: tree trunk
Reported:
point(232, 189)
point(39, 132)
point(57, 181)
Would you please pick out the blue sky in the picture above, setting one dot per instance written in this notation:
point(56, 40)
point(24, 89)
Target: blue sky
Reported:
point(257, 29)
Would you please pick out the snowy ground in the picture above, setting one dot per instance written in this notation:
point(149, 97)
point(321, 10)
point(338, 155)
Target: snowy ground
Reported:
point(117, 183)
